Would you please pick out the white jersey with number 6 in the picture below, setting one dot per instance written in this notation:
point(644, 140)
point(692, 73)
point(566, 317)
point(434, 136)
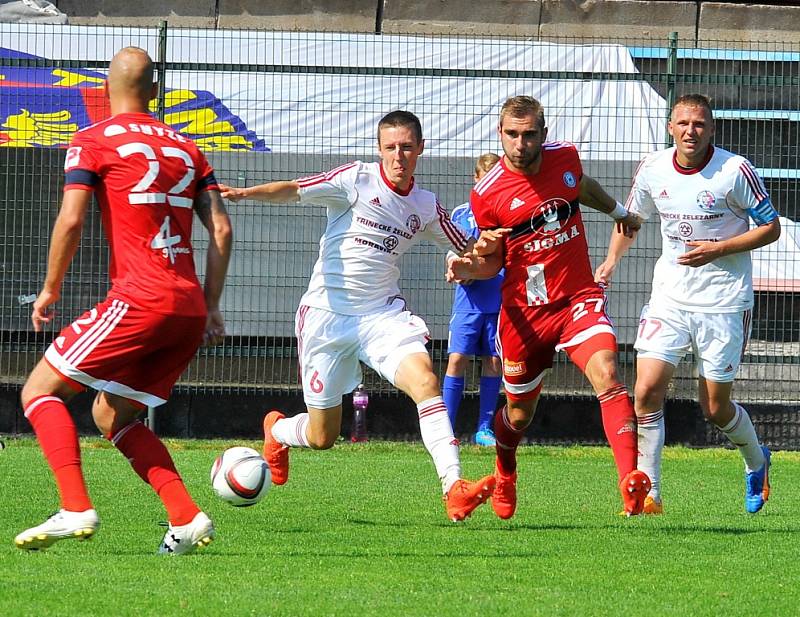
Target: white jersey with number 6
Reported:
point(706, 204)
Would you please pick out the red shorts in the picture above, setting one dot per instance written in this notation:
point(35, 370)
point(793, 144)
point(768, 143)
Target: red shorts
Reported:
point(134, 353)
point(529, 336)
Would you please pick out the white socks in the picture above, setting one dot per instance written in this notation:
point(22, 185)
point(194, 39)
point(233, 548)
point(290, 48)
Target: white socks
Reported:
point(741, 433)
point(651, 442)
point(437, 435)
point(292, 431)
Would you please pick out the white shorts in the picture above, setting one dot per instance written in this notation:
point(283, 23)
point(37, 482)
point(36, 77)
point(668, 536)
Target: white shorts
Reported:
point(330, 346)
point(717, 339)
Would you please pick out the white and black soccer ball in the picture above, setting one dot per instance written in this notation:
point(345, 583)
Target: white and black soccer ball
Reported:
point(240, 476)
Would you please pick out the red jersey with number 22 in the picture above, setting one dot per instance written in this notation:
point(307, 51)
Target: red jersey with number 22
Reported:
point(546, 254)
point(145, 177)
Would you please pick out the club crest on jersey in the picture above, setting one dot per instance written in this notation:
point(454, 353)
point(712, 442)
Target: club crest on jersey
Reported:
point(706, 200)
point(413, 223)
point(390, 242)
point(569, 179)
point(550, 216)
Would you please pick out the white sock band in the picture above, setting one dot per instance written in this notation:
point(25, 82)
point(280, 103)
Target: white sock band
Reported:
point(742, 434)
point(292, 431)
point(651, 432)
point(437, 435)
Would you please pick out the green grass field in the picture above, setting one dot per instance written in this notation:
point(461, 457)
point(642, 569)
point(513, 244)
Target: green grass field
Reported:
point(360, 530)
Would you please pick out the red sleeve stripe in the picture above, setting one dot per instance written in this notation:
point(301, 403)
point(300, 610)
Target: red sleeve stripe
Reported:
point(79, 187)
point(629, 200)
point(489, 179)
point(754, 181)
point(451, 230)
point(324, 177)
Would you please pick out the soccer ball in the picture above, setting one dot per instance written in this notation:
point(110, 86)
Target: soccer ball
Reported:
point(240, 476)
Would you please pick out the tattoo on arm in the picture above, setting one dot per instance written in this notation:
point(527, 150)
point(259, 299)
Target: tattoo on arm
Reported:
point(206, 204)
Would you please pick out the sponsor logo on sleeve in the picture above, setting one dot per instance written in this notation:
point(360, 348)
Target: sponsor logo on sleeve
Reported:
point(73, 157)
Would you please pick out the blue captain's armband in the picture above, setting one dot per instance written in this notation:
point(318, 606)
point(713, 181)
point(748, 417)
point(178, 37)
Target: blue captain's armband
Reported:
point(81, 176)
point(763, 213)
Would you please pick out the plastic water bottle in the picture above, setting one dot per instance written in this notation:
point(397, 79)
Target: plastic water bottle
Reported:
point(358, 431)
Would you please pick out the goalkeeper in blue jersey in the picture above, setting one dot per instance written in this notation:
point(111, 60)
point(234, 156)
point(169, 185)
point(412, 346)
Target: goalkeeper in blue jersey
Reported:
point(473, 325)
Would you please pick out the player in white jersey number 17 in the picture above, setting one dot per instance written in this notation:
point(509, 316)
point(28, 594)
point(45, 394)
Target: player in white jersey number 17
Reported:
point(702, 294)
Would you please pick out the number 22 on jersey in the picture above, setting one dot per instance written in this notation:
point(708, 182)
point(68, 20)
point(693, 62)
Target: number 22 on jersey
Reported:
point(142, 193)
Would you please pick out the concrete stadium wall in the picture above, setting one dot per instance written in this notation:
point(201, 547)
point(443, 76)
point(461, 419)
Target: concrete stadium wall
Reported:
point(698, 21)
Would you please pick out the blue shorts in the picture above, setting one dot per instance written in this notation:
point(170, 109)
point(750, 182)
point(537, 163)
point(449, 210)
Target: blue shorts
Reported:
point(473, 334)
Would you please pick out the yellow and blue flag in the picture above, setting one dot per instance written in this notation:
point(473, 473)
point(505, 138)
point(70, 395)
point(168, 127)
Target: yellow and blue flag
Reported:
point(42, 107)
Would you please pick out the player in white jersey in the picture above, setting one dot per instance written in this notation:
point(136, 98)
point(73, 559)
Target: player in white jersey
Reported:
point(702, 294)
point(353, 309)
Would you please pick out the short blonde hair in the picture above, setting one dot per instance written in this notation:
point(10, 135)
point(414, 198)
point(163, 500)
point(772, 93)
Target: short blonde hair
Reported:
point(522, 107)
point(694, 100)
point(485, 162)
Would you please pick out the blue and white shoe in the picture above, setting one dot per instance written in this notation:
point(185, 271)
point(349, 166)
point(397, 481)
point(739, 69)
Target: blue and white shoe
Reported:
point(485, 437)
point(757, 485)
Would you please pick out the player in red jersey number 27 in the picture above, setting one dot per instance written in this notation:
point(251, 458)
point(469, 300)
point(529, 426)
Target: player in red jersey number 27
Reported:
point(528, 207)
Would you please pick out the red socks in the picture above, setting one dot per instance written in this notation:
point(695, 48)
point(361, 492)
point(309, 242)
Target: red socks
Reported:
point(150, 459)
point(507, 440)
point(619, 424)
point(58, 439)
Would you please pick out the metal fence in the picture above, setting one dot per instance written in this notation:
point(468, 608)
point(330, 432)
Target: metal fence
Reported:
point(278, 105)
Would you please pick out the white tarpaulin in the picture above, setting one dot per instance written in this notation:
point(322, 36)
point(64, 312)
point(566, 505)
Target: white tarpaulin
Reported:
point(336, 112)
point(776, 267)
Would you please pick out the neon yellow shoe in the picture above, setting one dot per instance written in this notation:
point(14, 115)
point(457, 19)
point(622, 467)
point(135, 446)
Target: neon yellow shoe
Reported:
point(652, 506)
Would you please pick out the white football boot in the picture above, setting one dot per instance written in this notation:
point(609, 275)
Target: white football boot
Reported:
point(61, 526)
point(183, 539)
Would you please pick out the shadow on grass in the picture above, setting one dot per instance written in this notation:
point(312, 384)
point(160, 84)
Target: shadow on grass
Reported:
point(482, 527)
